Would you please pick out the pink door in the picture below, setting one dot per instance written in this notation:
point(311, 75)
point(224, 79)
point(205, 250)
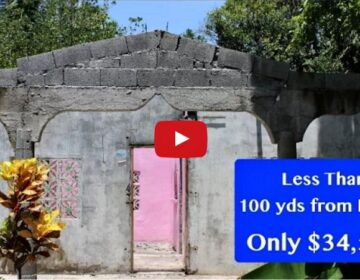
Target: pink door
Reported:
point(156, 194)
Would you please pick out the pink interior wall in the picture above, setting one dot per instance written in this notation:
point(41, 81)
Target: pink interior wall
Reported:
point(156, 218)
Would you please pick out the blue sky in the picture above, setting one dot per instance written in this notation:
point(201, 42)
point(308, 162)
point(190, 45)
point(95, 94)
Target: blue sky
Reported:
point(179, 14)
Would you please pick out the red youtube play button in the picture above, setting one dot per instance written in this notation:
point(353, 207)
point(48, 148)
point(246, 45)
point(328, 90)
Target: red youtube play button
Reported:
point(180, 139)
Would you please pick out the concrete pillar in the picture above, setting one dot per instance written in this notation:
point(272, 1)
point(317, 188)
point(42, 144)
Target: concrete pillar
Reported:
point(286, 145)
point(24, 147)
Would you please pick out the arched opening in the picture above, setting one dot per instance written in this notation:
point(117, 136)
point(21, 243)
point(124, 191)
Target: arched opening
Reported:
point(332, 136)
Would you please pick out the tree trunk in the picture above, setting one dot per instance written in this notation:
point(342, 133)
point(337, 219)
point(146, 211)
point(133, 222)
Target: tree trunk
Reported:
point(28, 271)
point(18, 272)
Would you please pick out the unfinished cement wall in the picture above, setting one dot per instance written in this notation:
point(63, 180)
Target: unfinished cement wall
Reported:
point(211, 189)
point(6, 152)
point(99, 239)
point(96, 138)
point(189, 74)
point(86, 105)
point(332, 137)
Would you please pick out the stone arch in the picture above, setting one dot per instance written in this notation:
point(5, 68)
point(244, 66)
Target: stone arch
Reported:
point(243, 129)
point(147, 100)
point(56, 101)
point(266, 124)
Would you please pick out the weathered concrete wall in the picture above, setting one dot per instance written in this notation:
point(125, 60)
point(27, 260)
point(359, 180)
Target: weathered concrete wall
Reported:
point(12, 102)
point(6, 152)
point(211, 189)
point(332, 137)
point(286, 101)
point(8, 77)
point(100, 240)
point(95, 138)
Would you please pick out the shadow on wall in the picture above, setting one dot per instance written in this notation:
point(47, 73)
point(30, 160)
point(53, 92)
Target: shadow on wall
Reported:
point(6, 152)
point(259, 143)
point(332, 137)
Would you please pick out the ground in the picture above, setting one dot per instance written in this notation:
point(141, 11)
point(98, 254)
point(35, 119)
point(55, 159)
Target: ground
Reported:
point(150, 256)
point(137, 276)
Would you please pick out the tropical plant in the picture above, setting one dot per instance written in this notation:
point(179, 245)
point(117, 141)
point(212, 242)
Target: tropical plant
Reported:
point(260, 27)
point(326, 36)
point(32, 27)
point(28, 230)
point(311, 35)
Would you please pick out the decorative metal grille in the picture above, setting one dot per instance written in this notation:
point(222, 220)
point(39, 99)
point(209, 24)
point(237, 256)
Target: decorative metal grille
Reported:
point(62, 190)
point(136, 189)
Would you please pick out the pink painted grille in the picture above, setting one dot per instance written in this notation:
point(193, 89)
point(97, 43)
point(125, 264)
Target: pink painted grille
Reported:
point(62, 187)
point(136, 189)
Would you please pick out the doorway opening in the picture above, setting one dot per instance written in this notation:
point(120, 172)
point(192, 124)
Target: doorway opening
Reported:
point(159, 211)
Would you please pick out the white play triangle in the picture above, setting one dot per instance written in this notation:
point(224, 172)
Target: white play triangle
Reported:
point(180, 138)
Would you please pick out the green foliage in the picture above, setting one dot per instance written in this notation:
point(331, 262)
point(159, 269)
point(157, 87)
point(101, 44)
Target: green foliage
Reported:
point(312, 35)
point(326, 36)
point(29, 27)
point(260, 27)
point(189, 33)
point(295, 271)
point(136, 25)
point(28, 231)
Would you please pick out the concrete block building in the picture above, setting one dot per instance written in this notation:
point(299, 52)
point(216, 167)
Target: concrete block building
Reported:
point(90, 111)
